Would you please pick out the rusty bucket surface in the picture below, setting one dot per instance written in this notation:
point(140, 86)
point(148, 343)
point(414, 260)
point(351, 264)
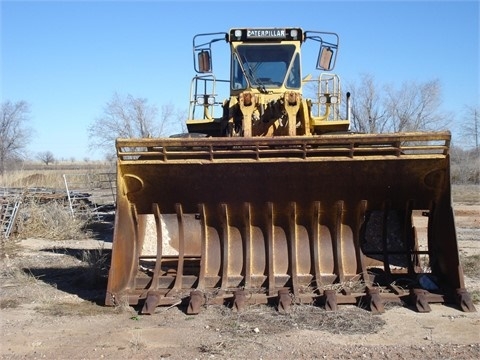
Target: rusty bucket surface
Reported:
point(329, 220)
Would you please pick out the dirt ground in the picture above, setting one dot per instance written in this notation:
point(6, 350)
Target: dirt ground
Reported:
point(51, 308)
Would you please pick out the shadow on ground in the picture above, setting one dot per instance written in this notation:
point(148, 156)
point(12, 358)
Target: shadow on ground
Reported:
point(88, 280)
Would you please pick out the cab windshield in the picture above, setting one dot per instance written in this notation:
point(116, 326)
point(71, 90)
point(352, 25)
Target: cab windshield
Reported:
point(265, 66)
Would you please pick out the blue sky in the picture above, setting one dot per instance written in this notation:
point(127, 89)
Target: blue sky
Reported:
point(67, 58)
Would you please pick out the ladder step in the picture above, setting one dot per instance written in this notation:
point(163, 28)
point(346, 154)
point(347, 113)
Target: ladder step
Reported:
point(8, 215)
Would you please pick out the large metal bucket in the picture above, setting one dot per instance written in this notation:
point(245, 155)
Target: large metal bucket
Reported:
point(329, 220)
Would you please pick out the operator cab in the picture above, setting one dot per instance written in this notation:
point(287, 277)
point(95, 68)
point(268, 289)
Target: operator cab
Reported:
point(265, 65)
point(265, 59)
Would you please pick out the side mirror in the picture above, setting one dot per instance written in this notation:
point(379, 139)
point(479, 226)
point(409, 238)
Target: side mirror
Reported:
point(325, 57)
point(204, 61)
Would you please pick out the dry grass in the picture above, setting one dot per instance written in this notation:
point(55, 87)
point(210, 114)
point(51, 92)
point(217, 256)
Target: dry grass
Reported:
point(52, 220)
point(262, 320)
point(267, 320)
point(45, 210)
point(471, 265)
point(83, 308)
point(137, 343)
point(37, 175)
point(25, 179)
point(466, 194)
point(355, 284)
point(19, 286)
point(56, 284)
point(475, 294)
point(96, 267)
point(471, 268)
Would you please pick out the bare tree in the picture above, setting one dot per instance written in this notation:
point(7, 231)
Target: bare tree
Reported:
point(368, 114)
point(415, 106)
point(46, 157)
point(412, 107)
point(128, 117)
point(14, 134)
point(465, 165)
point(471, 127)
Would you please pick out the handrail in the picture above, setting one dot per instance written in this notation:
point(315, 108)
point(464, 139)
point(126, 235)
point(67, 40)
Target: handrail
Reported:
point(360, 146)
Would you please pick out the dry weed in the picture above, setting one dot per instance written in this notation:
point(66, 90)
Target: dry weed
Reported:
point(96, 267)
point(466, 193)
point(355, 284)
point(12, 281)
point(36, 175)
point(26, 179)
point(122, 306)
point(351, 321)
point(475, 294)
point(52, 220)
point(471, 265)
point(136, 342)
point(264, 319)
point(83, 308)
point(20, 286)
point(14, 276)
point(221, 348)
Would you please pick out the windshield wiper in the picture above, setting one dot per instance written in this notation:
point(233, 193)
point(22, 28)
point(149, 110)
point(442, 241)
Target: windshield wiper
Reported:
point(250, 75)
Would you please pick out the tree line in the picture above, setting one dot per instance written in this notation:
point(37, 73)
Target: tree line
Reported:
point(375, 108)
point(383, 108)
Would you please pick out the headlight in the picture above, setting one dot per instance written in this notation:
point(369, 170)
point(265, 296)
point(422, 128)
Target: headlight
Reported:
point(323, 99)
point(333, 100)
point(205, 100)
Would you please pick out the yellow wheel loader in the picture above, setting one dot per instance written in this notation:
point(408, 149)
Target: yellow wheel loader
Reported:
point(269, 198)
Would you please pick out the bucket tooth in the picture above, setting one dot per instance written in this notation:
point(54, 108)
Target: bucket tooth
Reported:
point(464, 300)
point(330, 297)
point(197, 299)
point(284, 301)
point(418, 298)
point(375, 301)
point(151, 302)
point(240, 299)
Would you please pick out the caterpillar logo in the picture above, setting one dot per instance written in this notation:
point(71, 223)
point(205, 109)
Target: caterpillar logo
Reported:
point(267, 33)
